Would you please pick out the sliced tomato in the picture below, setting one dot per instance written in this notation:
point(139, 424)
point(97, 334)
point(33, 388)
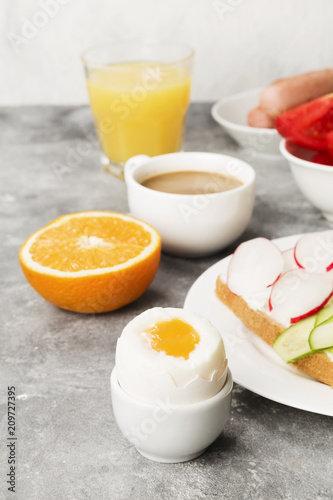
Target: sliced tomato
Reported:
point(323, 158)
point(329, 140)
point(308, 124)
point(322, 126)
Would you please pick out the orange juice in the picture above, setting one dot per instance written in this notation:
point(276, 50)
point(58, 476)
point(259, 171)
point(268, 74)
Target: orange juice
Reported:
point(139, 108)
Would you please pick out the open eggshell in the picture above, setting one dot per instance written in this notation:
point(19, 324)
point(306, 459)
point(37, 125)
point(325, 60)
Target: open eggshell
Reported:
point(153, 376)
point(162, 389)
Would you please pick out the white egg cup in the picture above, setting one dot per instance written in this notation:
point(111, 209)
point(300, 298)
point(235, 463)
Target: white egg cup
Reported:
point(169, 433)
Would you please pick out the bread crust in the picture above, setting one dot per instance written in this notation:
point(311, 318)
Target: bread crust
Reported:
point(317, 365)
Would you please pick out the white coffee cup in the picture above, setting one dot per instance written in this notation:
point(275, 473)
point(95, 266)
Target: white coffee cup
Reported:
point(191, 225)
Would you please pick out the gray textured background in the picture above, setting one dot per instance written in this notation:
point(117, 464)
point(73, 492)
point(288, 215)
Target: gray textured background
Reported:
point(69, 447)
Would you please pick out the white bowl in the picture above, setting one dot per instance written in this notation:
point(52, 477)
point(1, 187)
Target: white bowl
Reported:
point(169, 433)
point(198, 224)
point(315, 181)
point(231, 113)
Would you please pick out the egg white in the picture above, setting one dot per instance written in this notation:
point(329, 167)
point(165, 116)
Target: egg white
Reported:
point(154, 376)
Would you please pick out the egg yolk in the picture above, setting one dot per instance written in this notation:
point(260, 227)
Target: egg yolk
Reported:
point(175, 337)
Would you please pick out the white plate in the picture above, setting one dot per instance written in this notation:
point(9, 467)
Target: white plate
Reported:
point(231, 113)
point(252, 362)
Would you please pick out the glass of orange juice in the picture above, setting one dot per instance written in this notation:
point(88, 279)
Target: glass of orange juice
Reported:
point(139, 94)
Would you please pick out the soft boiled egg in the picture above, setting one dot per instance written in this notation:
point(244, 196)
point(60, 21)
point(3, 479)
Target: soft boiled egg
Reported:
point(171, 356)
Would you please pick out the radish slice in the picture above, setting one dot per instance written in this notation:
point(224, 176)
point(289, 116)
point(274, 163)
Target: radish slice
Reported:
point(289, 260)
point(330, 274)
point(314, 252)
point(298, 294)
point(254, 266)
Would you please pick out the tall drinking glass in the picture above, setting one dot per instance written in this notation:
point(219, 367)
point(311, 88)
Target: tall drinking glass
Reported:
point(139, 93)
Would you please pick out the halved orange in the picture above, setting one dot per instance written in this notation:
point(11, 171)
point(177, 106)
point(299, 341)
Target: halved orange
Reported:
point(91, 262)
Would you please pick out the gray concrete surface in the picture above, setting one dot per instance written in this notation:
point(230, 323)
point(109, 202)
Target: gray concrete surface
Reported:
point(69, 447)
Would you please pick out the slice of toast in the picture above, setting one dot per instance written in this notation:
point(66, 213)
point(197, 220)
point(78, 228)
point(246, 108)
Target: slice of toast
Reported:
point(318, 365)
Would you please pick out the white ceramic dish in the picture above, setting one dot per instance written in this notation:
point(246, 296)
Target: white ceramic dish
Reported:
point(315, 181)
point(231, 113)
point(191, 225)
point(253, 363)
point(167, 433)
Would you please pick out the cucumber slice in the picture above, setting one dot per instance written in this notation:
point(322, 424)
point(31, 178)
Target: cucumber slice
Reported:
point(324, 314)
point(321, 336)
point(293, 343)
